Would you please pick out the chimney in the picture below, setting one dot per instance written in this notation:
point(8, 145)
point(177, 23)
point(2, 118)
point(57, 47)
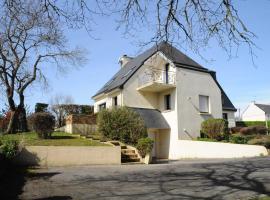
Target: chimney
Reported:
point(123, 60)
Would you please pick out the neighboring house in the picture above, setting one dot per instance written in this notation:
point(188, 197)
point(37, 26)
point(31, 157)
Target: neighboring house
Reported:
point(170, 91)
point(256, 112)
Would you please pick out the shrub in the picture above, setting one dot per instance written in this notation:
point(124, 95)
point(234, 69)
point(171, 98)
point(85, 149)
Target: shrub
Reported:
point(145, 146)
point(121, 124)
point(253, 130)
point(235, 129)
point(43, 124)
point(265, 141)
point(9, 148)
point(240, 139)
point(214, 128)
point(206, 139)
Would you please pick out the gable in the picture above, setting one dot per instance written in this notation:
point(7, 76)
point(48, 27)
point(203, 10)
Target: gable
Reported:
point(264, 107)
point(172, 54)
point(120, 78)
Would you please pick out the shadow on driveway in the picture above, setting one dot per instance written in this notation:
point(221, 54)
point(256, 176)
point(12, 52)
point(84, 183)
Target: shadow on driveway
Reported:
point(241, 179)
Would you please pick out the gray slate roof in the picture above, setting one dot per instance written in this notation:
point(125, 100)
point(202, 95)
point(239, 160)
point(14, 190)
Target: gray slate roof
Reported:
point(264, 107)
point(176, 56)
point(152, 118)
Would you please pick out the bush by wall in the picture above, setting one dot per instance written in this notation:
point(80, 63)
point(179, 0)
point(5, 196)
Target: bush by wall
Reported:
point(145, 146)
point(214, 128)
point(121, 124)
point(235, 129)
point(43, 124)
point(251, 130)
point(240, 139)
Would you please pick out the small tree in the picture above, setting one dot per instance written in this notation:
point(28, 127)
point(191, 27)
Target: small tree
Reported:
point(43, 124)
point(121, 124)
point(41, 107)
point(58, 110)
point(145, 146)
point(214, 128)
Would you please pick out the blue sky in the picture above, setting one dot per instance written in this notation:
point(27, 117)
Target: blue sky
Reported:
point(242, 81)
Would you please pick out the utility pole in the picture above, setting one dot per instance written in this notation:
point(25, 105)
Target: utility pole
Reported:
point(266, 123)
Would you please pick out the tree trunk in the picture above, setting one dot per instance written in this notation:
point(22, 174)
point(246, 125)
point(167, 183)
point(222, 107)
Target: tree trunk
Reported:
point(22, 115)
point(18, 116)
point(13, 117)
point(13, 121)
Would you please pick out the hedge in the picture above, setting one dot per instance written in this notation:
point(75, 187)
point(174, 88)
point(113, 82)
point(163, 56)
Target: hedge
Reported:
point(252, 123)
point(214, 128)
point(121, 124)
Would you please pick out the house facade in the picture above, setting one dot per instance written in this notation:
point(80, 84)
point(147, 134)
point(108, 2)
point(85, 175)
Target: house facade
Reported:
point(171, 92)
point(256, 112)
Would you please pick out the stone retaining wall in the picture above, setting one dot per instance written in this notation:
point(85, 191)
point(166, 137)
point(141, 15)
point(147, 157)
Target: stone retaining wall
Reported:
point(48, 156)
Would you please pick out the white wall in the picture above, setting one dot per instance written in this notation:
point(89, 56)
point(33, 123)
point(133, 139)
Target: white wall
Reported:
point(253, 113)
point(134, 98)
point(108, 99)
point(82, 129)
point(231, 118)
point(200, 149)
point(191, 84)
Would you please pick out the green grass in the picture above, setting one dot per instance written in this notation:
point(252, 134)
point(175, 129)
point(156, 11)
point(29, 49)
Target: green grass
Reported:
point(58, 139)
point(262, 198)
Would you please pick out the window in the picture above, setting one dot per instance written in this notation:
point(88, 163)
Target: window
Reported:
point(225, 116)
point(167, 73)
point(115, 101)
point(167, 102)
point(204, 104)
point(102, 106)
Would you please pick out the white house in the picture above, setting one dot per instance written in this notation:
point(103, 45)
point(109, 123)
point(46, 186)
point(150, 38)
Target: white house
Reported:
point(256, 112)
point(171, 92)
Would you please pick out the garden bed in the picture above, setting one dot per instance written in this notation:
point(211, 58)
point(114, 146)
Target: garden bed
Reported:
point(58, 139)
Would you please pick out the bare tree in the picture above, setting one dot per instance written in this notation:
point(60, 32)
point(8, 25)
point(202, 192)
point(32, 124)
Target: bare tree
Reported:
point(30, 40)
point(31, 33)
point(189, 24)
point(58, 110)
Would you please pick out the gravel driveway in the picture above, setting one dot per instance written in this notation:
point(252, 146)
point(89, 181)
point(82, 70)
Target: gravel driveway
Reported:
point(189, 179)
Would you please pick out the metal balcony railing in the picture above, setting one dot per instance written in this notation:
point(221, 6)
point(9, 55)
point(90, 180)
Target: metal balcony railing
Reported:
point(152, 75)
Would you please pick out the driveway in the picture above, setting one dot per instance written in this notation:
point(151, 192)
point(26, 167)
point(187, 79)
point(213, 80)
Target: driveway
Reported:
point(189, 179)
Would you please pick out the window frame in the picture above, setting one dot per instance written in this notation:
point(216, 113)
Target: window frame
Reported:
point(223, 116)
point(167, 102)
point(115, 101)
point(102, 106)
point(208, 104)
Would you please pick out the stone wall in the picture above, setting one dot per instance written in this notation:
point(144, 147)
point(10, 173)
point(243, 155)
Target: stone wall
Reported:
point(81, 124)
point(81, 119)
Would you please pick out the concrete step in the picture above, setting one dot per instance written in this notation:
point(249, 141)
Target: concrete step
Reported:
point(127, 151)
point(129, 156)
point(132, 163)
point(123, 147)
point(126, 160)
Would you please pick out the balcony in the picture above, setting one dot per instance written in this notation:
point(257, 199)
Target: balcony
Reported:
point(156, 80)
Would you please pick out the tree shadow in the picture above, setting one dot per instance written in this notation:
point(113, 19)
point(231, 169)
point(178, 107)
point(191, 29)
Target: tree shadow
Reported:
point(13, 179)
point(58, 137)
point(231, 180)
point(56, 198)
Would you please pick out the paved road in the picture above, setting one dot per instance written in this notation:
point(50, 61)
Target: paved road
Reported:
point(190, 179)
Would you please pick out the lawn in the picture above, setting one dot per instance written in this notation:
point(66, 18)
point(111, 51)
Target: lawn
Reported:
point(58, 139)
